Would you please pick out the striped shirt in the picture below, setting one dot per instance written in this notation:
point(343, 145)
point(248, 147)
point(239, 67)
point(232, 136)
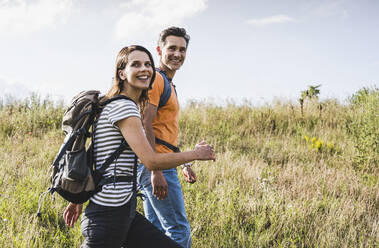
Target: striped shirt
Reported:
point(108, 138)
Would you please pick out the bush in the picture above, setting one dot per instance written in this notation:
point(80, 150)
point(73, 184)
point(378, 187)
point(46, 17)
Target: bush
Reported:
point(364, 128)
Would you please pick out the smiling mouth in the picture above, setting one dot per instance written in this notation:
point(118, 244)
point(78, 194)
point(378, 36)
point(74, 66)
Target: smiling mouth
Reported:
point(143, 77)
point(176, 61)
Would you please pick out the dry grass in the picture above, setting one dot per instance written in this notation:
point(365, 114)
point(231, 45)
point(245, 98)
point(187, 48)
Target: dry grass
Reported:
point(269, 187)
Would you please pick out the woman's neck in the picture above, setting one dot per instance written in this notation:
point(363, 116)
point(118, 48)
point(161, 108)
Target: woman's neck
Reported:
point(132, 93)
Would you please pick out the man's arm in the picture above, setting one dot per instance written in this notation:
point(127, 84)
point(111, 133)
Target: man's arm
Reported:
point(148, 117)
point(157, 176)
point(158, 181)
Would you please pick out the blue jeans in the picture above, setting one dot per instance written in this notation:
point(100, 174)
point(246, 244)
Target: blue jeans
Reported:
point(168, 215)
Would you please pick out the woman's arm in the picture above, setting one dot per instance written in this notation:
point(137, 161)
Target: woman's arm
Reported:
point(131, 129)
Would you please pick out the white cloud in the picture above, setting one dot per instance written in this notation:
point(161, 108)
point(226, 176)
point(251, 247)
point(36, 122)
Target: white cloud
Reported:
point(276, 19)
point(22, 17)
point(150, 16)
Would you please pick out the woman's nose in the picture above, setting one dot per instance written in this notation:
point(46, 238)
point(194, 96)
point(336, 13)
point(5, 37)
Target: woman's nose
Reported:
point(145, 68)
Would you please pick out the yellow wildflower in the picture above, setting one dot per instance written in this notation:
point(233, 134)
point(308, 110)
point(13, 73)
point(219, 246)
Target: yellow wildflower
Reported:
point(330, 146)
point(319, 145)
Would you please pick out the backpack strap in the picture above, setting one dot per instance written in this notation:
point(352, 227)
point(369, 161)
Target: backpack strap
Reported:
point(133, 199)
point(67, 145)
point(118, 97)
point(135, 173)
point(118, 179)
point(123, 144)
point(166, 90)
point(162, 142)
point(113, 156)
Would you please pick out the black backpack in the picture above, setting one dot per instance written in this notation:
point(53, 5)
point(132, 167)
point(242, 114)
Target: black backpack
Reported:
point(74, 175)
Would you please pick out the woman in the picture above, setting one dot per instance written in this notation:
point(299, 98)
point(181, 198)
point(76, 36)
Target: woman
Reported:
point(106, 219)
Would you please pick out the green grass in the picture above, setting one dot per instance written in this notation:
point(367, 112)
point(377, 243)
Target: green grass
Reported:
point(269, 187)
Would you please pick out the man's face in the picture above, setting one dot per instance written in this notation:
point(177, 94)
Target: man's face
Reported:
point(173, 52)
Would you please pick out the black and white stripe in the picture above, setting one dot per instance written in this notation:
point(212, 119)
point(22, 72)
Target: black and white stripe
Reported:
point(107, 139)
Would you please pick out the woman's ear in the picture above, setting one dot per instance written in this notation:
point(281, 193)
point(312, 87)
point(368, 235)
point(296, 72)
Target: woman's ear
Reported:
point(121, 74)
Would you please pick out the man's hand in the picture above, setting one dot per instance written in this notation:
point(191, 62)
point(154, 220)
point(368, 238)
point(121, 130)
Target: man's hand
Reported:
point(72, 213)
point(159, 184)
point(189, 174)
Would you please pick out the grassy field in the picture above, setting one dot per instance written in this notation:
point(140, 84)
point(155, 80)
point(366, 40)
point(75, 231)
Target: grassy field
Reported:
point(281, 179)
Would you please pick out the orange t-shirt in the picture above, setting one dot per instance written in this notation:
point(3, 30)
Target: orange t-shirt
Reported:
point(166, 122)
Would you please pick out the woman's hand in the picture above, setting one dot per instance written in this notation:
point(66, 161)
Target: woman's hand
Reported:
point(72, 213)
point(204, 151)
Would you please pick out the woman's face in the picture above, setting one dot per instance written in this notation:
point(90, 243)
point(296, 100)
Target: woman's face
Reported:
point(138, 71)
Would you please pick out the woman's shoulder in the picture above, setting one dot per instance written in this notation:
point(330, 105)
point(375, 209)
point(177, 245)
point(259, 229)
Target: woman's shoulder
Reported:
point(122, 103)
point(120, 109)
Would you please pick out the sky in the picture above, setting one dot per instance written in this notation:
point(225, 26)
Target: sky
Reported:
point(239, 50)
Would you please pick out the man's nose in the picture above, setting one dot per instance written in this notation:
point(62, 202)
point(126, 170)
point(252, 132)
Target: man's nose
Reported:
point(177, 53)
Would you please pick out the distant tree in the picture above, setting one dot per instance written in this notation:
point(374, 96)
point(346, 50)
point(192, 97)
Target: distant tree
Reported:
point(314, 91)
point(311, 92)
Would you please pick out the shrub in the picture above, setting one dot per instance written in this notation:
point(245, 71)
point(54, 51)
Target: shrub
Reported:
point(364, 128)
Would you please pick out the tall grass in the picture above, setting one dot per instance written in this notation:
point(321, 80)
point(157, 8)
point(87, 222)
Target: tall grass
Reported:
point(281, 179)
point(32, 115)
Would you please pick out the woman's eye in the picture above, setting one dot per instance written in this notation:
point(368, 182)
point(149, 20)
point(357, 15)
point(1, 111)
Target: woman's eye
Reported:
point(135, 64)
point(148, 64)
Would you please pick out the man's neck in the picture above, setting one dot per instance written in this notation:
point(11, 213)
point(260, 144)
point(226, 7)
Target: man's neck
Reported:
point(169, 73)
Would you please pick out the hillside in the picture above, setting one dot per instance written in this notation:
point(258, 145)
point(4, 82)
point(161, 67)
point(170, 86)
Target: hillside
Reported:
point(284, 177)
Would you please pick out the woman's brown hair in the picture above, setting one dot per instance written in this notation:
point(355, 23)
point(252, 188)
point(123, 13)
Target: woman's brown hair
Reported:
point(118, 83)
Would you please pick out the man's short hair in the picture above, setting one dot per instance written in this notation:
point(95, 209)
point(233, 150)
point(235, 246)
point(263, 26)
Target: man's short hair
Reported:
point(175, 31)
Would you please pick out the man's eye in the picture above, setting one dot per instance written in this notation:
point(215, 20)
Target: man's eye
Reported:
point(182, 50)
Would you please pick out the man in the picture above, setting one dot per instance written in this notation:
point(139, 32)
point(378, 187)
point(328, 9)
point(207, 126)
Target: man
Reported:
point(164, 203)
